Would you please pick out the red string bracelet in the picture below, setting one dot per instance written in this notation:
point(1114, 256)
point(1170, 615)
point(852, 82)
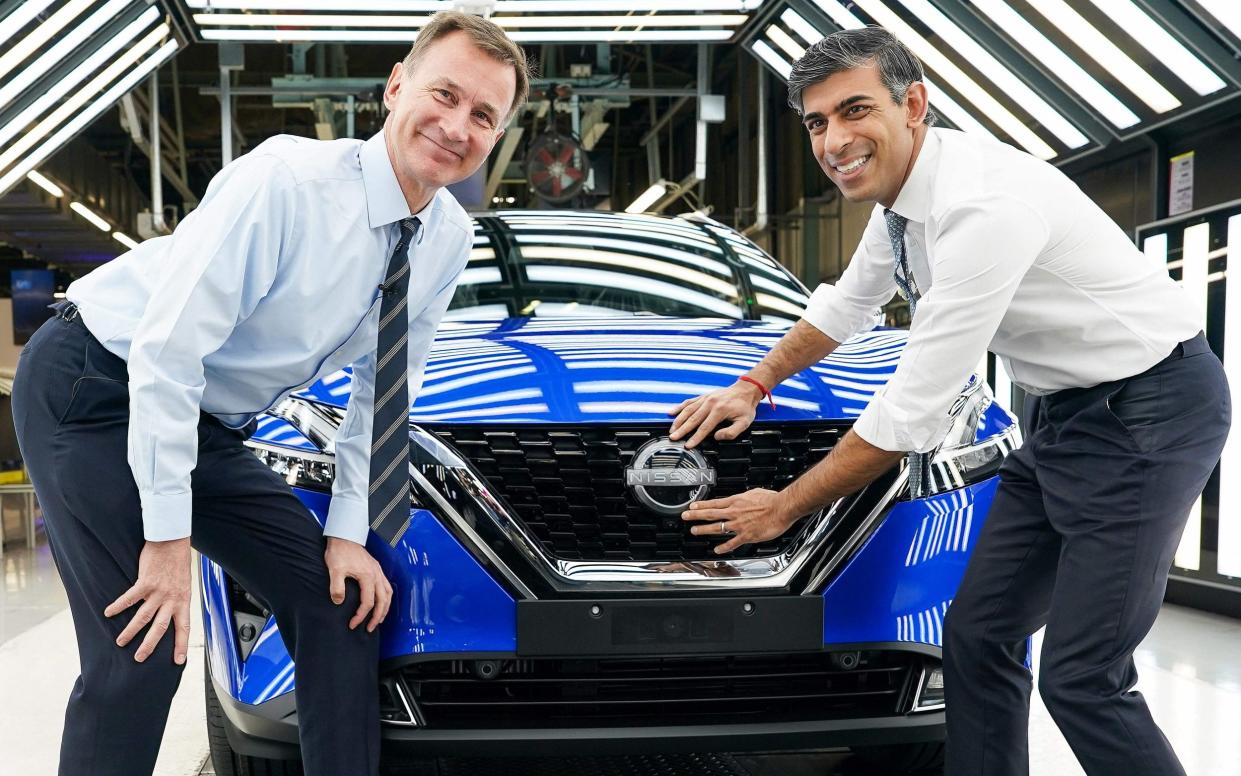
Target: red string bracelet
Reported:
point(761, 387)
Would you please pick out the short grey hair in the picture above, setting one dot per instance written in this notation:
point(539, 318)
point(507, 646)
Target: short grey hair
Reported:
point(861, 47)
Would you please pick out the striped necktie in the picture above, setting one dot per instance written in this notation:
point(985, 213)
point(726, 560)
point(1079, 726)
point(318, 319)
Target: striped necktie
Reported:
point(904, 278)
point(919, 464)
point(389, 492)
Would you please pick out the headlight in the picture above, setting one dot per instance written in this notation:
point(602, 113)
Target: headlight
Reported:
point(312, 471)
point(959, 460)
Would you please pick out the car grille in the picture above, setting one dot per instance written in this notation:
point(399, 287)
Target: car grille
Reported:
point(659, 691)
point(567, 484)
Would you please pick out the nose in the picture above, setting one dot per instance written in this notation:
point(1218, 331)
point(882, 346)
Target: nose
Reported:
point(455, 125)
point(836, 140)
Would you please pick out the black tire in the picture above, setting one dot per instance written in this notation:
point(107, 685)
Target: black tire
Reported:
point(906, 758)
point(228, 762)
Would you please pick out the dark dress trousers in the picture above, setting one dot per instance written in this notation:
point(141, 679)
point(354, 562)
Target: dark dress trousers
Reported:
point(71, 413)
point(1080, 539)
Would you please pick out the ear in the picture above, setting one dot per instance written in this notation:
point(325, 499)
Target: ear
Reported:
point(916, 104)
point(394, 86)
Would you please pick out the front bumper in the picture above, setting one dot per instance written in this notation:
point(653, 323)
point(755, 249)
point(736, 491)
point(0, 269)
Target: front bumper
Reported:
point(270, 730)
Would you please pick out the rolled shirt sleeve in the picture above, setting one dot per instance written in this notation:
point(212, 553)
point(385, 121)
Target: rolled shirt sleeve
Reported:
point(981, 252)
point(349, 514)
point(851, 306)
point(226, 255)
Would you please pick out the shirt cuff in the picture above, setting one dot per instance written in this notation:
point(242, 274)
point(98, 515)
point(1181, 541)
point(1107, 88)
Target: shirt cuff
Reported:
point(166, 517)
point(889, 427)
point(828, 312)
point(347, 519)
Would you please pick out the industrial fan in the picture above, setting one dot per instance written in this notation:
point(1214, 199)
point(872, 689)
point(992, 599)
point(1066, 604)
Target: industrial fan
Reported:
point(556, 167)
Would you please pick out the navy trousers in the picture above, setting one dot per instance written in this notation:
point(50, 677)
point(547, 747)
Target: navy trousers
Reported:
point(1080, 538)
point(71, 412)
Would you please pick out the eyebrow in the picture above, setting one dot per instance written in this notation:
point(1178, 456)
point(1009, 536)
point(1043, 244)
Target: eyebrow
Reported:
point(845, 103)
point(487, 107)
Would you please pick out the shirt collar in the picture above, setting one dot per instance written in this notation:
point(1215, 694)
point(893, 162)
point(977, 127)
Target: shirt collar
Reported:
point(914, 200)
point(385, 202)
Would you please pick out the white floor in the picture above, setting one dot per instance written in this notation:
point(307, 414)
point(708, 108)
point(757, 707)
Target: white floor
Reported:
point(1190, 669)
point(39, 665)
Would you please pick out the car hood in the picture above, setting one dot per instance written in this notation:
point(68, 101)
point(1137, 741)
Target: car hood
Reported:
point(530, 370)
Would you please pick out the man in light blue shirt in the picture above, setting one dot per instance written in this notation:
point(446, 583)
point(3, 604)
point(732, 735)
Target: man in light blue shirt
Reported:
point(131, 404)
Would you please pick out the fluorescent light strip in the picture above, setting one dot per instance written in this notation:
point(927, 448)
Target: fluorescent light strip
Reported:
point(1160, 43)
point(403, 6)
point(520, 36)
point(21, 16)
point(804, 29)
point(40, 35)
point(59, 52)
point(1096, 46)
point(944, 104)
point(567, 7)
point(81, 120)
point(842, 16)
point(1228, 558)
point(575, 6)
point(66, 109)
point(51, 188)
point(1228, 12)
point(782, 39)
point(125, 240)
point(769, 55)
point(1055, 60)
point(957, 79)
point(999, 74)
point(90, 215)
point(507, 22)
point(102, 54)
point(647, 198)
point(1197, 245)
point(1155, 249)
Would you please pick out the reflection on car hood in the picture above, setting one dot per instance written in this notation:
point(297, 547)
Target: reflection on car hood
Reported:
point(530, 370)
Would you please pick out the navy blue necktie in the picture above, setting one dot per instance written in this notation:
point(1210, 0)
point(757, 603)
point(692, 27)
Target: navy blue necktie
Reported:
point(389, 480)
point(919, 463)
point(904, 278)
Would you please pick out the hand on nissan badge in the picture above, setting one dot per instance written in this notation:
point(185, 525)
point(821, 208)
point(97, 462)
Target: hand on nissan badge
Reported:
point(701, 415)
point(754, 516)
point(163, 588)
point(345, 560)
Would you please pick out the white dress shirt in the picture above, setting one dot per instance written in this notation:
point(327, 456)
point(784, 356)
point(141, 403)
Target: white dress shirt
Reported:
point(1010, 256)
point(269, 285)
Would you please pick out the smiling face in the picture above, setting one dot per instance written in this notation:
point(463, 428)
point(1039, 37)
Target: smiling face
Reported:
point(445, 116)
point(864, 141)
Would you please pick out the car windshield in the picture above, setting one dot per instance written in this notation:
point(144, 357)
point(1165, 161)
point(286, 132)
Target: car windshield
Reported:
point(605, 265)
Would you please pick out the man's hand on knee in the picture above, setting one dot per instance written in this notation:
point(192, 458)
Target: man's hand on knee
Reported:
point(163, 588)
point(345, 560)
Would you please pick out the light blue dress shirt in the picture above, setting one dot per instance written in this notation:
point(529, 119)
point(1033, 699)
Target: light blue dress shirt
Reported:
point(270, 284)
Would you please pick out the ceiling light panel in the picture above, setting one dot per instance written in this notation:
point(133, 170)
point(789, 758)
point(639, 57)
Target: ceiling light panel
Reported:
point(1226, 12)
point(65, 66)
point(527, 21)
point(567, 7)
point(1115, 57)
point(1102, 50)
point(1162, 46)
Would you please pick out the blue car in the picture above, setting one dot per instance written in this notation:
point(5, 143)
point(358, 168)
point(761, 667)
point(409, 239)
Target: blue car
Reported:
point(548, 598)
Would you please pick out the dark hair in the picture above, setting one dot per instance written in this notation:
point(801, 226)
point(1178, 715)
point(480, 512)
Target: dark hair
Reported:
point(861, 47)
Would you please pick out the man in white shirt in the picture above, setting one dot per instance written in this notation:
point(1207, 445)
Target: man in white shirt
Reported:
point(996, 249)
point(133, 403)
